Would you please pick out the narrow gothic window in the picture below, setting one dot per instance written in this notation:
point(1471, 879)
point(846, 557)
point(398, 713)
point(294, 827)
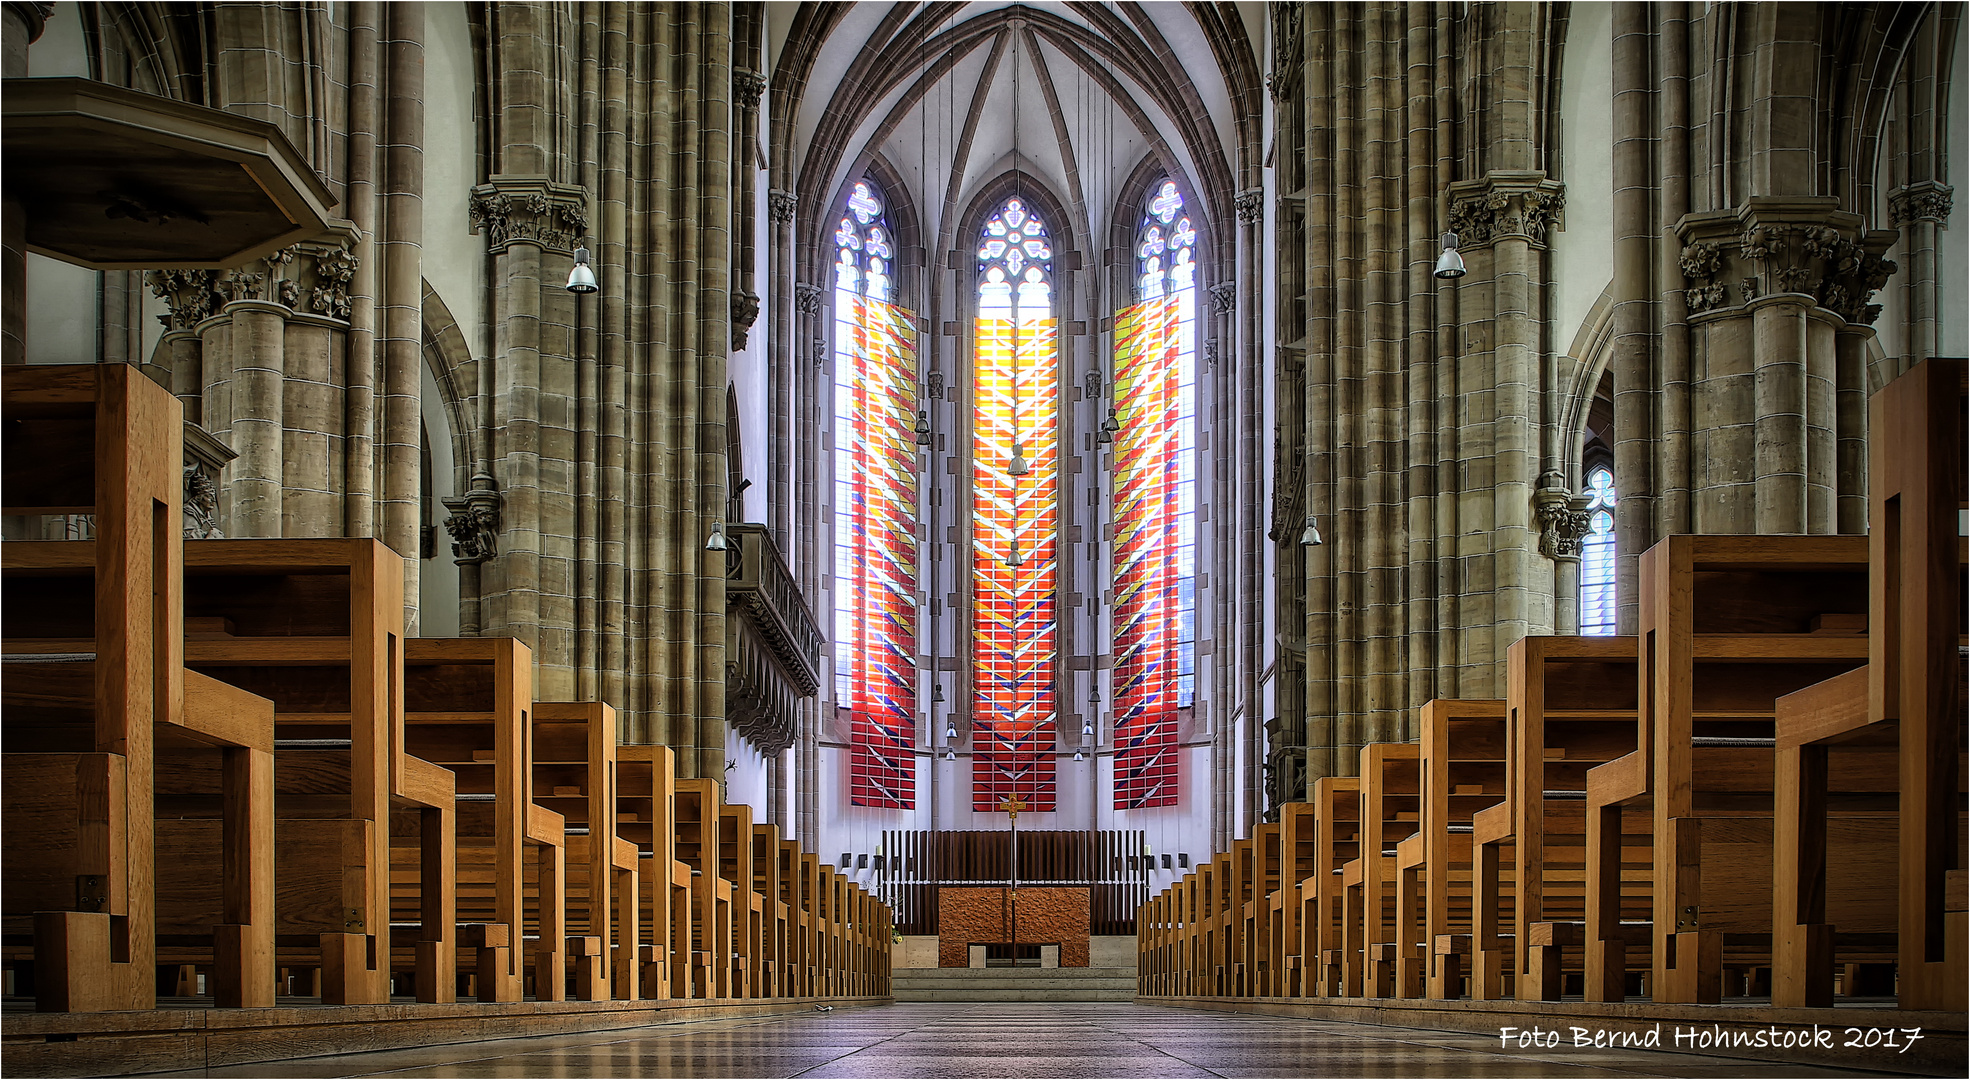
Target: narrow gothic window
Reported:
point(875, 508)
point(1597, 555)
point(1016, 387)
point(1155, 505)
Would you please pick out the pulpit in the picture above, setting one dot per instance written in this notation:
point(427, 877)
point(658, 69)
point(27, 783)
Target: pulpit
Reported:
point(1039, 915)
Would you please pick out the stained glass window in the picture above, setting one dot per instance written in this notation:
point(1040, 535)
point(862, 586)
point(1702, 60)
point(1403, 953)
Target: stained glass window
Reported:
point(1155, 506)
point(1016, 382)
point(1597, 555)
point(875, 509)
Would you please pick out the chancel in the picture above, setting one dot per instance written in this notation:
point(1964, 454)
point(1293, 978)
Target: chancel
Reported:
point(1035, 538)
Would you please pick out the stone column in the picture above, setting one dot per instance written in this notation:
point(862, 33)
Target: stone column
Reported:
point(747, 86)
point(401, 297)
point(1918, 210)
point(1777, 289)
point(1502, 223)
point(189, 299)
point(1563, 522)
point(532, 226)
point(312, 280)
point(259, 370)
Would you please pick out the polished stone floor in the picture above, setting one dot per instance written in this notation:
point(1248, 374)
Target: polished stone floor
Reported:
point(1015, 1040)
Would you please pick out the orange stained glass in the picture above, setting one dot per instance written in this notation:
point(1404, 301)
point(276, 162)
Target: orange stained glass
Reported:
point(1014, 519)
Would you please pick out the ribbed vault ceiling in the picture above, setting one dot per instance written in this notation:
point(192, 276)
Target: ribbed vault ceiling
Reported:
point(952, 96)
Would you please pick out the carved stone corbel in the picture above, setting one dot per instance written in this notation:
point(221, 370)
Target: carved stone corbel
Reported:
point(474, 523)
point(1563, 522)
point(745, 311)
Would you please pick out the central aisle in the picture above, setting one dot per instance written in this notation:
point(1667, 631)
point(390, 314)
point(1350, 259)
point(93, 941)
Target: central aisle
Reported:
point(1080, 1041)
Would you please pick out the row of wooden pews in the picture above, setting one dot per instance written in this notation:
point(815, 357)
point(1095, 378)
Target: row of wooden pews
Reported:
point(229, 774)
point(1654, 816)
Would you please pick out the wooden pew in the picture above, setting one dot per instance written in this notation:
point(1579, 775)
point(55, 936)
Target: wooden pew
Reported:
point(315, 626)
point(1887, 737)
point(1740, 621)
point(1463, 762)
point(575, 775)
point(1917, 570)
point(105, 441)
point(1837, 782)
point(469, 706)
point(770, 882)
point(1390, 801)
point(646, 809)
point(698, 827)
point(1337, 804)
point(1569, 708)
point(1297, 850)
point(735, 867)
point(1261, 884)
point(1241, 911)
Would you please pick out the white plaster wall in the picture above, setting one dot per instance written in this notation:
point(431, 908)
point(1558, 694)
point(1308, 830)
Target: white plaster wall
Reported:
point(454, 258)
point(1581, 267)
point(454, 263)
point(61, 49)
point(1953, 262)
point(64, 317)
point(745, 775)
point(63, 309)
point(437, 580)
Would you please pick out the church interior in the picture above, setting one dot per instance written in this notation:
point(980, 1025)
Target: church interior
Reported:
point(537, 520)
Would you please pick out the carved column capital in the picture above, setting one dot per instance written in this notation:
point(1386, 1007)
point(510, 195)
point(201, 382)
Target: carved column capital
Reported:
point(1806, 246)
point(807, 299)
point(1223, 296)
point(1924, 200)
point(313, 277)
point(747, 86)
point(781, 204)
point(1251, 206)
point(531, 209)
point(190, 296)
point(1521, 205)
point(1563, 522)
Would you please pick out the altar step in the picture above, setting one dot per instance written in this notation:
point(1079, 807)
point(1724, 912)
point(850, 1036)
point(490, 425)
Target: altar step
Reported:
point(1014, 984)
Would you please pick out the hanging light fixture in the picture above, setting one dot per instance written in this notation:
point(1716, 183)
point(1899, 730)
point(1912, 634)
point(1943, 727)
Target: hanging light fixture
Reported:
point(950, 754)
point(923, 427)
point(1019, 466)
point(1015, 560)
point(716, 541)
point(1449, 265)
point(1310, 536)
point(950, 730)
point(938, 693)
point(1087, 727)
point(581, 279)
point(1078, 756)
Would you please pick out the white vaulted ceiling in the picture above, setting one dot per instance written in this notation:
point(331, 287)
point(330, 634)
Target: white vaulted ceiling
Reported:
point(1075, 95)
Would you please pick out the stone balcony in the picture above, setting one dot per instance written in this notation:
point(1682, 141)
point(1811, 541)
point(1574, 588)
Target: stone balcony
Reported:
point(772, 643)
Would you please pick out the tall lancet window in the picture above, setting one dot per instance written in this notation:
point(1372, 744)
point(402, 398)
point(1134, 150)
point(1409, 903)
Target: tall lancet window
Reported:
point(875, 508)
point(1597, 555)
point(1014, 473)
point(1155, 505)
